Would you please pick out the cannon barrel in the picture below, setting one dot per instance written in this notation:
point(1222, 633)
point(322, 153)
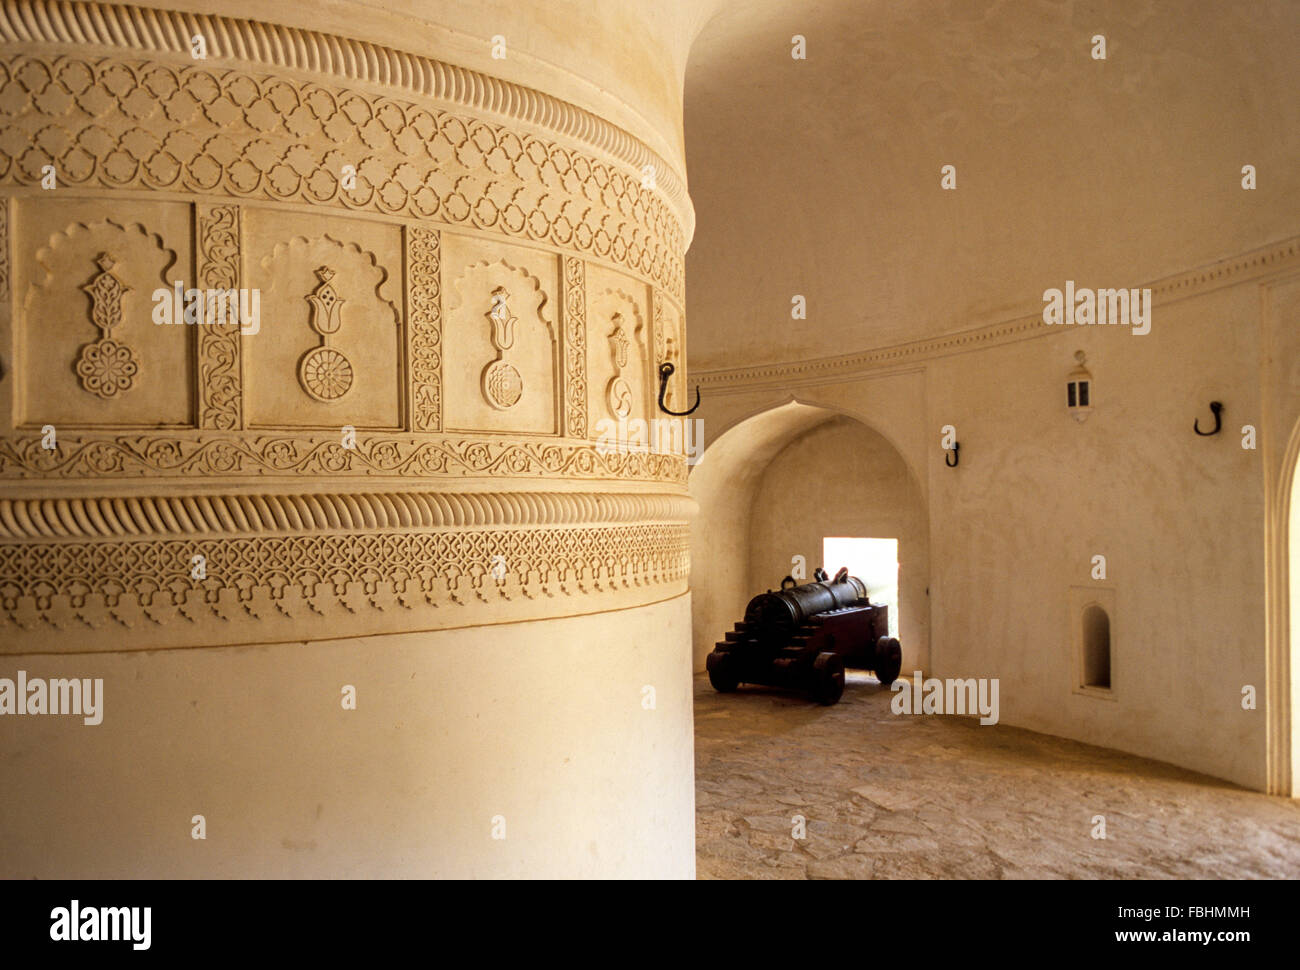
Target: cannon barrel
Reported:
point(774, 616)
point(805, 636)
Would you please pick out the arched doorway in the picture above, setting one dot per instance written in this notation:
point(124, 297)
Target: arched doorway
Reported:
point(1293, 571)
point(773, 487)
point(1281, 698)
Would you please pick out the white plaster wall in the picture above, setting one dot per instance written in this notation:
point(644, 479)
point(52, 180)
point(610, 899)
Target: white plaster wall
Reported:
point(1180, 518)
point(803, 186)
point(541, 722)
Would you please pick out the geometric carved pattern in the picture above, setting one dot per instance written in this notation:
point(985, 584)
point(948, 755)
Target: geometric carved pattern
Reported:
point(106, 367)
point(84, 455)
point(424, 285)
point(575, 347)
point(130, 124)
point(220, 379)
point(130, 585)
point(294, 49)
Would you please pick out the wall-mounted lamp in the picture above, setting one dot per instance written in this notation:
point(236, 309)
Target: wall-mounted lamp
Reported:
point(1078, 389)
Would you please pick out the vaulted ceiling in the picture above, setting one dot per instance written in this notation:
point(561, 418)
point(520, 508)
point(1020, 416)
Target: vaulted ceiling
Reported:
point(821, 177)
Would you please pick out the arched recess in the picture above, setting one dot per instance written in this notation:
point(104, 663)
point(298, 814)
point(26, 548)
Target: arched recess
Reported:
point(772, 485)
point(1293, 570)
point(1281, 455)
point(1281, 696)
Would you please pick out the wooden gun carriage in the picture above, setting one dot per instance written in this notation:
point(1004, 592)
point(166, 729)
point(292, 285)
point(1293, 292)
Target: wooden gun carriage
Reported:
point(802, 637)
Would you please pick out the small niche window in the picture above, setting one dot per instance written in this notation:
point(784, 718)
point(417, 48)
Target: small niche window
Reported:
point(1096, 647)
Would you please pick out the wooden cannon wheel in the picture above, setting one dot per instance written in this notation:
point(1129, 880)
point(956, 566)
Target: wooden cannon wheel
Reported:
point(722, 672)
point(889, 660)
point(828, 678)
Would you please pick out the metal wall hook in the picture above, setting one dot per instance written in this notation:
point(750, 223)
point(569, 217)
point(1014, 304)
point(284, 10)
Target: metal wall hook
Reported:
point(1217, 408)
point(666, 371)
point(956, 445)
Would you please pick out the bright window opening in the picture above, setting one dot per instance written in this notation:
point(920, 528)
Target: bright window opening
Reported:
point(874, 561)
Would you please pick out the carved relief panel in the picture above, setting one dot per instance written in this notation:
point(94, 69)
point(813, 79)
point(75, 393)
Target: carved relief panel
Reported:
point(619, 343)
point(328, 350)
point(670, 347)
point(94, 347)
point(501, 339)
point(446, 302)
point(218, 269)
point(121, 122)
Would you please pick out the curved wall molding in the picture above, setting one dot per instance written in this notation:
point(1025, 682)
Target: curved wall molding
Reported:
point(1252, 265)
point(109, 455)
point(125, 123)
point(136, 516)
point(149, 594)
point(168, 33)
point(218, 500)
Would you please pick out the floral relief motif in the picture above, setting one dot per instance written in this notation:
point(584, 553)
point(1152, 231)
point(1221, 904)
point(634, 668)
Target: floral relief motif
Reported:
point(395, 456)
point(4, 249)
point(423, 274)
point(220, 392)
point(503, 385)
point(618, 392)
point(324, 372)
point(575, 347)
point(106, 368)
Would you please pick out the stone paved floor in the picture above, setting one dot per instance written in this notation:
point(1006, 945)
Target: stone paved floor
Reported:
point(895, 797)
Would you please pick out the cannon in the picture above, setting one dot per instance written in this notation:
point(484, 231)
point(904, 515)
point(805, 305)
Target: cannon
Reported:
point(802, 637)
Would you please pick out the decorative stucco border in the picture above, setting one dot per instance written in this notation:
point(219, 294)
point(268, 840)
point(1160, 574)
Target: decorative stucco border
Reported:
point(155, 572)
point(213, 590)
point(146, 516)
point(233, 134)
point(168, 32)
point(397, 456)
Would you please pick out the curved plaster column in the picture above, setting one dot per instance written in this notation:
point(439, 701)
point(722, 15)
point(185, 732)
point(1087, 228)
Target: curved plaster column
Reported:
point(380, 469)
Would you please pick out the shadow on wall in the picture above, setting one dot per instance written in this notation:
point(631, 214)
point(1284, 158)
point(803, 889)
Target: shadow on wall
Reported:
point(772, 487)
